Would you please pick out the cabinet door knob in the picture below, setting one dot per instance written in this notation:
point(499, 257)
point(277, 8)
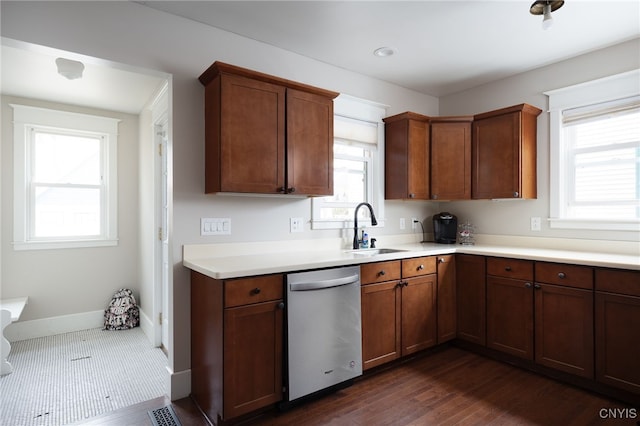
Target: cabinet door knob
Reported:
point(527, 285)
point(434, 197)
point(562, 275)
point(381, 273)
point(412, 195)
point(280, 305)
point(507, 268)
point(282, 189)
point(441, 260)
point(537, 286)
point(516, 194)
point(291, 190)
point(420, 267)
point(256, 290)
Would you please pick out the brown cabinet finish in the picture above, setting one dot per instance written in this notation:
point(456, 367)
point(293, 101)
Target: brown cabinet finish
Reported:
point(471, 298)
point(516, 269)
point(510, 316)
point(565, 275)
point(446, 298)
point(451, 158)
point(417, 266)
point(419, 328)
point(618, 328)
point(407, 156)
point(564, 329)
point(237, 344)
point(264, 134)
point(381, 307)
point(378, 272)
point(504, 153)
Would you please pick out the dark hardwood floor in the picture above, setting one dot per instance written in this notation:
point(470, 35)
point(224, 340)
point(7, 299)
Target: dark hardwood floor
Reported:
point(448, 387)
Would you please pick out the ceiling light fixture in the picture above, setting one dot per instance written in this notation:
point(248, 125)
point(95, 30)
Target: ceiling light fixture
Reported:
point(383, 52)
point(545, 7)
point(69, 69)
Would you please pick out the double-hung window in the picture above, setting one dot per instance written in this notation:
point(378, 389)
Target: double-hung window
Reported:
point(65, 183)
point(358, 135)
point(595, 154)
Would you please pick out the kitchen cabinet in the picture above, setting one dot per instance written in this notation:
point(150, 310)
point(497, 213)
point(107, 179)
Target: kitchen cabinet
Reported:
point(471, 298)
point(617, 326)
point(266, 135)
point(504, 153)
point(510, 306)
point(237, 344)
point(406, 150)
point(564, 317)
point(398, 309)
point(450, 161)
point(446, 298)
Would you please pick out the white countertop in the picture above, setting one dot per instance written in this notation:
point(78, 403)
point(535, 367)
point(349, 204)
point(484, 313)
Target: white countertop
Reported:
point(218, 263)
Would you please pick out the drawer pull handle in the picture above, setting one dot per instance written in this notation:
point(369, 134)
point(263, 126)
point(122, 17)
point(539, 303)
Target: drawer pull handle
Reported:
point(507, 268)
point(527, 285)
point(562, 275)
point(441, 260)
point(420, 267)
point(381, 273)
point(256, 291)
point(280, 305)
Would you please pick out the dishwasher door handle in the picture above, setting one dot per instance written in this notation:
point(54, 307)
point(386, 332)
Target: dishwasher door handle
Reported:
point(322, 284)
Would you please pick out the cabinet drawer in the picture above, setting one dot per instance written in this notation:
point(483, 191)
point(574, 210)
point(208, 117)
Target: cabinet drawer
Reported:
point(379, 272)
point(618, 281)
point(245, 291)
point(566, 275)
point(510, 268)
point(418, 266)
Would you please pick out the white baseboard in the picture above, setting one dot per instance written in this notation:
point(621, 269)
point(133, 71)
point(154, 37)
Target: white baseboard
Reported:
point(23, 330)
point(147, 327)
point(179, 384)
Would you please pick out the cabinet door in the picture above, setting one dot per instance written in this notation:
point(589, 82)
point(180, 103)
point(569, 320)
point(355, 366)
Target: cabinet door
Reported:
point(309, 143)
point(564, 329)
point(419, 329)
point(406, 158)
point(496, 157)
point(618, 340)
point(252, 357)
point(252, 136)
point(510, 316)
point(446, 298)
point(380, 323)
point(471, 298)
point(450, 161)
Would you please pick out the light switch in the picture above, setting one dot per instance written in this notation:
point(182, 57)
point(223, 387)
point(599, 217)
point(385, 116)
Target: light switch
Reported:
point(215, 226)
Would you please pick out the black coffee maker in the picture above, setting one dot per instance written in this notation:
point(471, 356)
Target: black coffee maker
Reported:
point(445, 228)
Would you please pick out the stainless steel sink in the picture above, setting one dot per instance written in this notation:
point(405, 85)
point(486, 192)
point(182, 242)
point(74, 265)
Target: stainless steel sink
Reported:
point(373, 252)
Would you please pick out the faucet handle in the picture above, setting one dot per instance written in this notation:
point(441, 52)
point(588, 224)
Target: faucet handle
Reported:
point(373, 242)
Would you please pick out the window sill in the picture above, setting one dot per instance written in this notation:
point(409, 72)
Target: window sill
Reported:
point(612, 225)
point(343, 224)
point(49, 245)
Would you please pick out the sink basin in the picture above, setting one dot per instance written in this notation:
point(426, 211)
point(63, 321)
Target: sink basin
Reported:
point(373, 252)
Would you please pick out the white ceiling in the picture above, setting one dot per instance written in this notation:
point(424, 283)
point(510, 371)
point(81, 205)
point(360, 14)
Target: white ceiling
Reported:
point(443, 47)
point(30, 71)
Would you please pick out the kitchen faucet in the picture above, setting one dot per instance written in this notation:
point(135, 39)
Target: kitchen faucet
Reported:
point(374, 222)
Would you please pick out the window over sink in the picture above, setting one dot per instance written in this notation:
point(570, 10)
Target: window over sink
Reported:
point(357, 165)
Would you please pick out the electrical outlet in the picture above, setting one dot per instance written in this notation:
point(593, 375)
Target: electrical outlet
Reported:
point(295, 224)
point(414, 223)
point(536, 224)
point(402, 224)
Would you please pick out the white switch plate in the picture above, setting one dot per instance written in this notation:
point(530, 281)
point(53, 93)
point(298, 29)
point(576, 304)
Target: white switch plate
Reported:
point(295, 224)
point(414, 224)
point(536, 224)
point(215, 226)
point(402, 224)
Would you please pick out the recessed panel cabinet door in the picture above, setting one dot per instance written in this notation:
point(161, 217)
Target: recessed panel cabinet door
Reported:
point(381, 306)
point(252, 139)
point(471, 298)
point(451, 160)
point(419, 317)
point(309, 143)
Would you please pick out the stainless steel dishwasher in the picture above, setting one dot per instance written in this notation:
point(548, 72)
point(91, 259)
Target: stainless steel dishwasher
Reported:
point(324, 329)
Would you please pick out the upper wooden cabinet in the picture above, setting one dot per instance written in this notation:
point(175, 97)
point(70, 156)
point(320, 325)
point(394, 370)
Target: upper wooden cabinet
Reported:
point(504, 153)
point(451, 158)
point(406, 169)
point(266, 135)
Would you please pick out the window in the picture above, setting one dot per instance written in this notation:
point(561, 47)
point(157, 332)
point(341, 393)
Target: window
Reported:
point(65, 183)
point(357, 131)
point(595, 154)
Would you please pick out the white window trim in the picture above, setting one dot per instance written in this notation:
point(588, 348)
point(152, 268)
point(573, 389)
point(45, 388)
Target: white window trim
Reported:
point(360, 109)
point(597, 91)
point(25, 116)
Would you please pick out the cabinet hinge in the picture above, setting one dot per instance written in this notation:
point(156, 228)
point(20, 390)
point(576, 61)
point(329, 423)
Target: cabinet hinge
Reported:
point(160, 149)
point(160, 318)
point(160, 234)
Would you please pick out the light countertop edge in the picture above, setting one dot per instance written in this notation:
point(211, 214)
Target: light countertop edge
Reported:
point(238, 265)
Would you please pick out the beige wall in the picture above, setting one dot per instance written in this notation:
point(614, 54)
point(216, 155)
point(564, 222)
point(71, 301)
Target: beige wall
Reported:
point(70, 281)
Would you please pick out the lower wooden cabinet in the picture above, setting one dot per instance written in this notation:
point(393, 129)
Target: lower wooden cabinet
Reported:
point(446, 298)
point(471, 298)
point(237, 344)
point(381, 307)
point(418, 313)
point(618, 328)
